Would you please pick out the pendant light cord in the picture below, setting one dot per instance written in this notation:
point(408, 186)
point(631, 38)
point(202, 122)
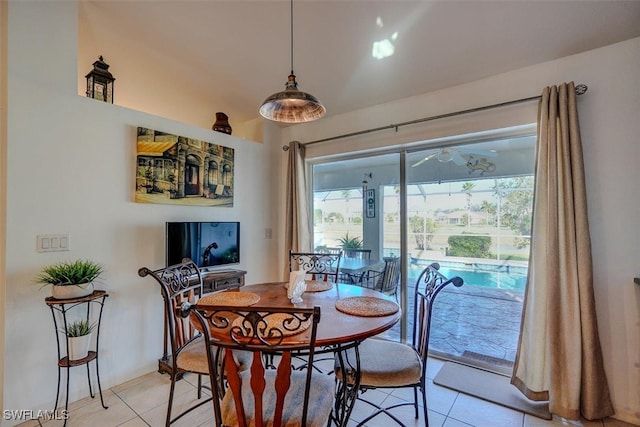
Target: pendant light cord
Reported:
point(291, 36)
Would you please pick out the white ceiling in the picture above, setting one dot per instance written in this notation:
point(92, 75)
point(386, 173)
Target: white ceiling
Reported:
point(238, 52)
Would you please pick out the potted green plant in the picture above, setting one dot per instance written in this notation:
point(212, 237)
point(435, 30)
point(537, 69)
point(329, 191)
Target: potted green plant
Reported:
point(79, 338)
point(347, 242)
point(70, 279)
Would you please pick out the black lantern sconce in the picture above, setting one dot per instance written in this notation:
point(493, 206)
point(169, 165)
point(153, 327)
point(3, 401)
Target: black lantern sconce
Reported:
point(100, 82)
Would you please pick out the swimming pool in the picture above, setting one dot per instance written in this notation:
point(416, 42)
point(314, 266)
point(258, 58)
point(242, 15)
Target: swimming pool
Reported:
point(482, 275)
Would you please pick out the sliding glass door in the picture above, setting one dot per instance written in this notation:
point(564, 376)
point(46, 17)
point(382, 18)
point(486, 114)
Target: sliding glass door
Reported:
point(356, 205)
point(466, 206)
point(469, 209)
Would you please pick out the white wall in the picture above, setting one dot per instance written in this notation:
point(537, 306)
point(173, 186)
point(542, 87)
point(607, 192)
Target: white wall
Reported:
point(71, 169)
point(610, 124)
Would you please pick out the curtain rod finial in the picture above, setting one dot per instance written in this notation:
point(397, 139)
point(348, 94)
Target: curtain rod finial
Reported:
point(581, 89)
point(285, 148)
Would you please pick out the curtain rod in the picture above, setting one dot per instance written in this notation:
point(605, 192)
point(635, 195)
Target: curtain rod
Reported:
point(580, 89)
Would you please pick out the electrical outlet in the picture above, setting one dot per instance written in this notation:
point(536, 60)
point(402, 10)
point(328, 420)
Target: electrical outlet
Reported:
point(52, 242)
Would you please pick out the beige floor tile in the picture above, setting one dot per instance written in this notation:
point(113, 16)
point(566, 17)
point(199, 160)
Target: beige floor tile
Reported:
point(362, 410)
point(436, 419)
point(142, 402)
point(149, 391)
point(480, 413)
point(29, 423)
point(451, 422)
point(405, 413)
point(193, 379)
point(136, 422)
point(440, 399)
point(93, 413)
point(156, 416)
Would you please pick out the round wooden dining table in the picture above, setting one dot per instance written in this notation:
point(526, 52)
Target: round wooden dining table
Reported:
point(335, 327)
point(337, 330)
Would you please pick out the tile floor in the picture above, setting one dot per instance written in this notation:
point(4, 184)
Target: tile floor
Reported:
point(142, 402)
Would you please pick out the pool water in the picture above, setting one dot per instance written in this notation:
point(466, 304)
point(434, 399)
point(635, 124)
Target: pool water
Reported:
point(480, 276)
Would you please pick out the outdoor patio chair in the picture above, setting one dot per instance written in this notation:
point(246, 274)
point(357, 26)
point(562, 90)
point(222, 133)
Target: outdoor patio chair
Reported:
point(390, 364)
point(355, 278)
point(331, 250)
point(261, 396)
point(385, 281)
point(357, 253)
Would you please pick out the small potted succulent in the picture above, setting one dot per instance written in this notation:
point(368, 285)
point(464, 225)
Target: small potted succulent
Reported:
point(79, 338)
point(70, 279)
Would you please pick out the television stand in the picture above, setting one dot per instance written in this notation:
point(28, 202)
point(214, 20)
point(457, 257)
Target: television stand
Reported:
point(217, 280)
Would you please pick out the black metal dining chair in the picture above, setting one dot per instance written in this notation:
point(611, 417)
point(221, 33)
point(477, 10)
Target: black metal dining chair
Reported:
point(184, 349)
point(390, 364)
point(319, 266)
point(260, 396)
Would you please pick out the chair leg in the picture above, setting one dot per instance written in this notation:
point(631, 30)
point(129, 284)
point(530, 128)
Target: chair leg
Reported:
point(424, 405)
point(170, 403)
point(199, 386)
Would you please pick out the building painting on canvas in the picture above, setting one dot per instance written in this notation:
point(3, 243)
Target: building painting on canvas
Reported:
point(173, 169)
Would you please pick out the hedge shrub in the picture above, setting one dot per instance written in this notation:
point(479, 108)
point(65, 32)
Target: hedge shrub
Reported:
point(469, 246)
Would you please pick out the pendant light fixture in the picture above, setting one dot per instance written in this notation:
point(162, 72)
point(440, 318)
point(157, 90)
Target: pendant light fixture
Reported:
point(292, 105)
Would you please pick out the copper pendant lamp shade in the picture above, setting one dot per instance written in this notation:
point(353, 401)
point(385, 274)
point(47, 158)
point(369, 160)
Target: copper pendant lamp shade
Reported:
point(292, 105)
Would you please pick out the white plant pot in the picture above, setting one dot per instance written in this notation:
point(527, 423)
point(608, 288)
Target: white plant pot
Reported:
point(79, 347)
point(71, 291)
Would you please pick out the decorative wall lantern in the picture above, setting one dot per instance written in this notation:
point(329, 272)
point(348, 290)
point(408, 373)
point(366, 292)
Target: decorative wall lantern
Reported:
point(100, 82)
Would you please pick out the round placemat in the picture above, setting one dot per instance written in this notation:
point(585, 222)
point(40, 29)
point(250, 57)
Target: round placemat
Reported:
point(367, 306)
point(231, 298)
point(318, 285)
point(275, 321)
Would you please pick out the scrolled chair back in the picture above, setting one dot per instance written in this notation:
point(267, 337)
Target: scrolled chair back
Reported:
point(319, 266)
point(184, 349)
point(429, 284)
point(179, 283)
point(261, 396)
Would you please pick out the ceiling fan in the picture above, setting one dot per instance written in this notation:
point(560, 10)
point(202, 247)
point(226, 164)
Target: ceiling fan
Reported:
point(457, 155)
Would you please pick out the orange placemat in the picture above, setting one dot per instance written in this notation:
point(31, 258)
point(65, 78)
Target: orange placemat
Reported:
point(367, 306)
point(276, 321)
point(231, 298)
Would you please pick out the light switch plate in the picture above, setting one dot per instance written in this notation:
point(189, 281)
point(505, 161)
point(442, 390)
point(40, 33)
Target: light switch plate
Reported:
point(52, 242)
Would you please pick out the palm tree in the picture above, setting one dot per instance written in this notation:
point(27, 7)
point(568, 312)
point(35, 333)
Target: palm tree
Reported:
point(467, 188)
point(346, 194)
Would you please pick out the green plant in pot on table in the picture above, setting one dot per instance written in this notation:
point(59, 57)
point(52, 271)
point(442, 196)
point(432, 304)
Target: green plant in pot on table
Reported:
point(79, 338)
point(70, 279)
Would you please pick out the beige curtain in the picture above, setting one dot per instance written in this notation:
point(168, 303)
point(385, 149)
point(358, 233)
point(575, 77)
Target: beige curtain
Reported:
point(559, 357)
point(297, 233)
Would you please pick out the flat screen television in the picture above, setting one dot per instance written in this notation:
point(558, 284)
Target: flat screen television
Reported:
point(208, 244)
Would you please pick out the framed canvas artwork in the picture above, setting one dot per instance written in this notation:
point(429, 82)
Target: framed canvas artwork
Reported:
point(172, 169)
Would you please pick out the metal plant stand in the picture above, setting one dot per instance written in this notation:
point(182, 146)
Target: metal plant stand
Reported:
point(59, 310)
